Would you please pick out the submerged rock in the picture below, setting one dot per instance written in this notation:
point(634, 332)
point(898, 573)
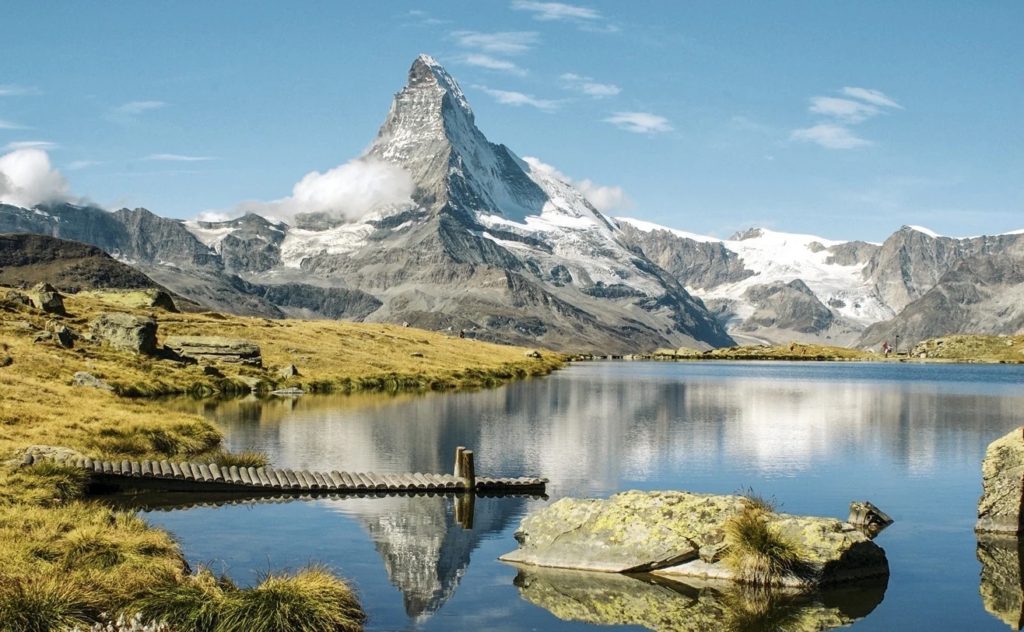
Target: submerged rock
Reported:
point(1002, 473)
point(216, 349)
point(692, 605)
point(684, 534)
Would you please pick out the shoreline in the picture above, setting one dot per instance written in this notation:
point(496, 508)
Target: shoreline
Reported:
point(65, 557)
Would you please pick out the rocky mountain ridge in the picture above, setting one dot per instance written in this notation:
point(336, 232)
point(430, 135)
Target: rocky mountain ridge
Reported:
point(507, 249)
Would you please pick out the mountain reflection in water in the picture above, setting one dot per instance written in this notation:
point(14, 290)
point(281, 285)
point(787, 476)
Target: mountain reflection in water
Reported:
point(909, 438)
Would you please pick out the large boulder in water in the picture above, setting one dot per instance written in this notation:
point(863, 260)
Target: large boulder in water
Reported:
point(1002, 472)
point(684, 534)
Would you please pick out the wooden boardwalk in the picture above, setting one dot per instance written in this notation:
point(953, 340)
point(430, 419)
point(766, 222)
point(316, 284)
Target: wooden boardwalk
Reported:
point(188, 476)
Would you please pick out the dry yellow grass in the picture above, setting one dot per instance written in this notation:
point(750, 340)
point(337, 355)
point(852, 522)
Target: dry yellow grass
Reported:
point(108, 560)
point(792, 351)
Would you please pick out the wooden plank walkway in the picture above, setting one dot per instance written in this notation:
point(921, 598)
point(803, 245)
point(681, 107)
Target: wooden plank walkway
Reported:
point(188, 476)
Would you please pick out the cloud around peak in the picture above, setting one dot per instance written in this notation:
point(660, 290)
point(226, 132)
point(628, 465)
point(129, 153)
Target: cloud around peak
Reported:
point(349, 191)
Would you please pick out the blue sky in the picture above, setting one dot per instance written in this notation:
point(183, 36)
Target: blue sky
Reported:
point(841, 119)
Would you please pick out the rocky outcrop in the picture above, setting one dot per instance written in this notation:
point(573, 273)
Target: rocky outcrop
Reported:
point(216, 349)
point(684, 534)
point(692, 605)
point(1002, 473)
point(88, 380)
point(126, 332)
point(787, 306)
point(45, 297)
point(69, 266)
point(696, 264)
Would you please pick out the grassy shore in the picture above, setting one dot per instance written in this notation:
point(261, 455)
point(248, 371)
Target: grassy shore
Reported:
point(64, 559)
point(974, 348)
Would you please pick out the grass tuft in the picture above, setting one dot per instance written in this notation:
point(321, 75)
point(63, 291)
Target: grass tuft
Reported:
point(757, 553)
point(240, 459)
point(43, 603)
point(313, 600)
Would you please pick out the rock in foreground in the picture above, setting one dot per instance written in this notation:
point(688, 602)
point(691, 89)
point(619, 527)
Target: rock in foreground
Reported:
point(684, 534)
point(1002, 472)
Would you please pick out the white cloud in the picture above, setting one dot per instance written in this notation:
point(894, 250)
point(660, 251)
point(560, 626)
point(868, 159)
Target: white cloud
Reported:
point(502, 43)
point(550, 11)
point(603, 198)
point(27, 178)
point(510, 97)
point(9, 125)
point(831, 136)
point(348, 191)
point(843, 109)
point(491, 63)
point(29, 144)
point(178, 158)
point(640, 122)
point(11, 90)
point(138, 107)
point(589, 87)
point(875, 97)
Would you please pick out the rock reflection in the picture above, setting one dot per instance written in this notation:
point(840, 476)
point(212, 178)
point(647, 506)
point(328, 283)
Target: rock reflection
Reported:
point(1002, 578)
point(673, 606)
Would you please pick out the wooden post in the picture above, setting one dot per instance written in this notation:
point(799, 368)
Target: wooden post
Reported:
point(467, 471)
point(458, 461)
point(464, 508)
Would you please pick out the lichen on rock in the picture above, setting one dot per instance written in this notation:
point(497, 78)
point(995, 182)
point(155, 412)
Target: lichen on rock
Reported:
point(1002, 472)
point(681, 534)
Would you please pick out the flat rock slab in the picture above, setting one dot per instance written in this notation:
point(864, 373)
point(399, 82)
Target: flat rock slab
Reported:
point(682, 534)
point(216, 348)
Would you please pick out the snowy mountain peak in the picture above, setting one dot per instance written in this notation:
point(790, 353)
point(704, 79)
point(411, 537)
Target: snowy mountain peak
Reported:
point(426, 68)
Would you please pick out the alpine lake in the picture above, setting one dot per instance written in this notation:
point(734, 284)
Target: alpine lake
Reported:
point(814, 436)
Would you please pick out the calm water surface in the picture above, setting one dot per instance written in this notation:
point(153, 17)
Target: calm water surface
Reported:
point(910, 438)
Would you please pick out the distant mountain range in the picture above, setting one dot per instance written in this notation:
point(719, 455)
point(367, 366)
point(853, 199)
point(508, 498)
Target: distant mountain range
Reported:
point(508, 250)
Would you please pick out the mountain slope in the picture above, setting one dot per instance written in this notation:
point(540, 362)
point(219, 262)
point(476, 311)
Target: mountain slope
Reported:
point(27, 259)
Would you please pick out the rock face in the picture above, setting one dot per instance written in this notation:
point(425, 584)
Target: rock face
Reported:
point(999, 510)
point(216, 349)
point(787, 306)
point(125, 331)
point(682, 534)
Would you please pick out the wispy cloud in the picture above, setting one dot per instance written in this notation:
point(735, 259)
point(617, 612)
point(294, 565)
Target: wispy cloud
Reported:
point(548, 11)
point(138, 107)
point(589, 87)
point(4, 124)
point(12, 90)
point(831, 136)
point(640, 122)
point(585, 18)
point(517, 99)
point(424, 18)
point(840, 113)
point(78, 165)
point(29, 144)
point(492, 63)
point(179, 158)
point(843, 109)
point(500, 43)
point(876, 97)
